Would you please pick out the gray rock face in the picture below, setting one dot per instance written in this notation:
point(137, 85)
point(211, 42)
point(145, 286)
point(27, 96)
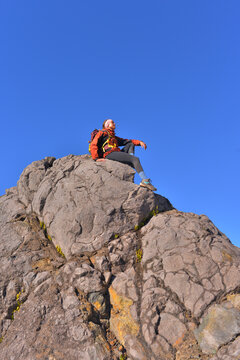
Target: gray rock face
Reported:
point(85, 203)
point(95, 267)
point(210, 334)
point(31, 178)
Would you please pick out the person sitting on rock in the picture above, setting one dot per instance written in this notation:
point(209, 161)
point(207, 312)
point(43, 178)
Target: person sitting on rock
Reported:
point(105, 145)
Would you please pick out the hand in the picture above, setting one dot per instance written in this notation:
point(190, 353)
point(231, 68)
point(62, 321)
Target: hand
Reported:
point(143, 145)
point(100, 159)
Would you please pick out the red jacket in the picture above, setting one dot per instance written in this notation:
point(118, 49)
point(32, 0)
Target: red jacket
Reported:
point(99, 140)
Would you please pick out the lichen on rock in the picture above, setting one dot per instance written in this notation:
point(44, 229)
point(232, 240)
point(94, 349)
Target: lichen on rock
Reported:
point(122, 322)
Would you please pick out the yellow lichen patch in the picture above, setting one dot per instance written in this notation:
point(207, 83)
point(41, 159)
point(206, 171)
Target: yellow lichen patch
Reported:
point(226, 256)
point(144, 221)
point(155, 211)
point(123, 357)
point(122, 323)
point(234, 299)
point(19, 303)
point(139, 254)
point(42, 225)
point(59, 250)
point(97, 305)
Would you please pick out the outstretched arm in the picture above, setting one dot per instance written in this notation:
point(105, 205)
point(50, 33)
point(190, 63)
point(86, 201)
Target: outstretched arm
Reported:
point(122, 142)
point(139, 143)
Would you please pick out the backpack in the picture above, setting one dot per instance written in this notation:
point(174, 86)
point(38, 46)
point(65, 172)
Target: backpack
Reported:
point(93, 134)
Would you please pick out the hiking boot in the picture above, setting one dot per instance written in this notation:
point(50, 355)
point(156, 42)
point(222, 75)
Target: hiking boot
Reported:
point(147, 184)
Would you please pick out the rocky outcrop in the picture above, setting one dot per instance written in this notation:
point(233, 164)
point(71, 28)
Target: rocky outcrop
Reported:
point(95, 267)
point(84, 204)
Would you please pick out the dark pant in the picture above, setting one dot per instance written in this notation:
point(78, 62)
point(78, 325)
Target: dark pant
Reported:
point(129, 148)
point(123, 156)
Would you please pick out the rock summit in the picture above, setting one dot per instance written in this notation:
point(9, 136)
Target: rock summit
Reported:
point(94, 267)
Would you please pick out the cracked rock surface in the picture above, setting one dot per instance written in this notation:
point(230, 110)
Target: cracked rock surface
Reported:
point(94, 267)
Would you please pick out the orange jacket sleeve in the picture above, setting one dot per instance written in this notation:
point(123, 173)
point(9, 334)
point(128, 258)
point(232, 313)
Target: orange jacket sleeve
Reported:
point(136, 142)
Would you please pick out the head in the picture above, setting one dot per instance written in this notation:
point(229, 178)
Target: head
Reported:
point(109, 124)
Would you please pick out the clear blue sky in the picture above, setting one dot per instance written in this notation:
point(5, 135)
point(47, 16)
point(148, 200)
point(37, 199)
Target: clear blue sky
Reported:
point(167, 72)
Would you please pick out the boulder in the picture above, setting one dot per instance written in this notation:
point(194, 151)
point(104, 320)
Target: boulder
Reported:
point(84, 203)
